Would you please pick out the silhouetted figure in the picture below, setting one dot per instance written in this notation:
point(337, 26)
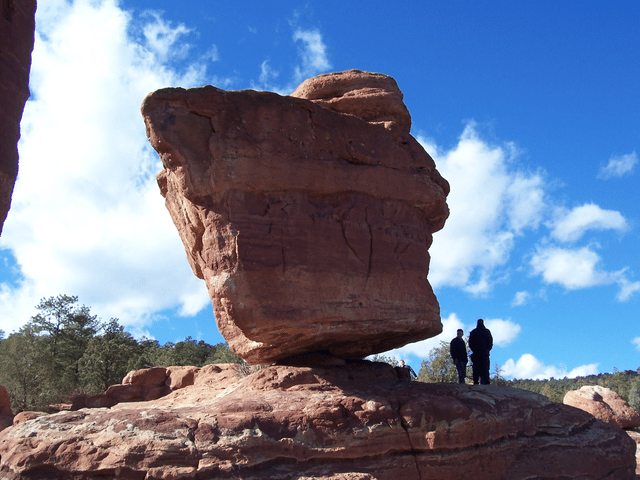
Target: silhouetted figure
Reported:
point(404, 372)
point(458, 351)
point(480, 343)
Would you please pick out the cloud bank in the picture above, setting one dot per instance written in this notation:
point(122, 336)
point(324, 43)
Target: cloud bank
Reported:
point(87, 217)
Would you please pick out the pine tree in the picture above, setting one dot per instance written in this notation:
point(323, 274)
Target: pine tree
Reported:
point(107, 358)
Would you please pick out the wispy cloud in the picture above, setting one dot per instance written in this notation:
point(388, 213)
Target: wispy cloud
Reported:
point(571, 225)
point(520, 299)
point(619, 166)
point(636, 342)
point(313, 54)
point(87, 217)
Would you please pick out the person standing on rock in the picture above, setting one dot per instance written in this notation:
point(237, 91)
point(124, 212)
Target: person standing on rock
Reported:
point(405, 372)
point(458, 351)
point(480, 343)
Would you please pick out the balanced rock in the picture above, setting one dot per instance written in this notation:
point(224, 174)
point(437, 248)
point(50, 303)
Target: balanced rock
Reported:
point(17, 26)
point(350, 422)
point(605, 404)
point(309, 217)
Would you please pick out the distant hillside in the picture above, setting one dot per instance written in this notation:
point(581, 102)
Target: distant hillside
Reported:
point(626, 384)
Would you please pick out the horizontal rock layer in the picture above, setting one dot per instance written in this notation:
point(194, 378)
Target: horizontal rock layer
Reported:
point(310, 226)
point(354, 421)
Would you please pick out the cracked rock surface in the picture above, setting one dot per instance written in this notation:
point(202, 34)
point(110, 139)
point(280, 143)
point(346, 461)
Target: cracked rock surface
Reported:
point(354, 421)
point(308, 216)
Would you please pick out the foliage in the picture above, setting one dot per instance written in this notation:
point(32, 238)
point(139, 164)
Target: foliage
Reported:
point(439, 367)
point(64, 350)
point(107, 358)
point(223, 354)
point(385, 359)
point(27, 367)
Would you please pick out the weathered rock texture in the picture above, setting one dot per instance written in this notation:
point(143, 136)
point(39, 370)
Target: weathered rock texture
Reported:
point(6, 414)
point(351, 422)
point(17, 26)
point(635, 436)
point(309, 216)
point(604, 404)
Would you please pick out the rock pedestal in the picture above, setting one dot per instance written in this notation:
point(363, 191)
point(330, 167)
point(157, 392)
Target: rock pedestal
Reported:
point(350, 422)
point(308, 216)
point(17, 26)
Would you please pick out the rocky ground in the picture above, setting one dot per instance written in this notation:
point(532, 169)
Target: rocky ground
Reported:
point(355, 421)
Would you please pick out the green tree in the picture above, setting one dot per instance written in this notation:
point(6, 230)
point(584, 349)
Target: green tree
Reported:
point(385, 359)
point(26, 370)
point(634, 393)
point(439, 367)
point(68, 327)
point(190, 352)
point(107, 357)
point(223, 354)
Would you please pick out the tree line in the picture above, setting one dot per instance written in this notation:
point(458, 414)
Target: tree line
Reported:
point(439, 368)
point(64, 350)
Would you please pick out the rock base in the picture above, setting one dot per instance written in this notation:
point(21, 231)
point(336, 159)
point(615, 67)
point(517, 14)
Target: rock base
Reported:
point(347, 422)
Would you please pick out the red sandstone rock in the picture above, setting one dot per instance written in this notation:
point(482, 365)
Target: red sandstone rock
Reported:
point(6, 414)
point(17, 26)
point(147, 377)
point(635, 436)
point(180, 377)
point(310, 225)
point(25, 416)
point(604, 404)
point(350, 422)
point(5, 401)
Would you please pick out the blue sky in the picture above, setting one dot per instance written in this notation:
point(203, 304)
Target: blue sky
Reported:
point(530, 109)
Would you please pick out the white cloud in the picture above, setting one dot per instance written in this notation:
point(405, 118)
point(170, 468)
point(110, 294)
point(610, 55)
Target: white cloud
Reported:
point(520, 299)
point(571, 225)
point(636, 342)
point(267, 73)
point(529, 367)
point(87, 217)
point(619, 166)
point(313, 54)
point(579, 268)
point(571, 268)
point(163, 39)
point(421, 349)
point(212, 54)
point(503, 331)
point(627, 288)
point(491, 203)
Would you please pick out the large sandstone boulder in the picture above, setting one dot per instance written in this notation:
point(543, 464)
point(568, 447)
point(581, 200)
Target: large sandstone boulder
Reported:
point(351, 422)
point(604, 404)
point(17, 26)
point(309, 216)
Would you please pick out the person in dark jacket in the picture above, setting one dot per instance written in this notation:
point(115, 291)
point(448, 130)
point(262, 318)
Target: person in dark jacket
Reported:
point(405, 372)
point(480, 343)
point(458, 351)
